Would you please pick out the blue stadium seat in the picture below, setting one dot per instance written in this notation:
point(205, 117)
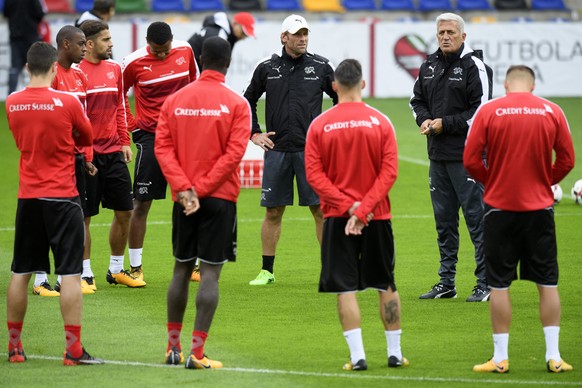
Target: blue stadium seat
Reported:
point(283, 5)
point(83, 5)
point(473, 5)
point(522, 19)
point(359, 4)
point(434, 5)
point(397, 5)
point(1, 5)
point(168, 6)
point(206, 5)
point(543, 5)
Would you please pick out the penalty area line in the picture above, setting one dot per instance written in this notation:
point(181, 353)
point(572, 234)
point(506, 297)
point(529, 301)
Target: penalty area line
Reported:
point(347, 375)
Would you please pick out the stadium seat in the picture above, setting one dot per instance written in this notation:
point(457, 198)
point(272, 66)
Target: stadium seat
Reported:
point(323, 6)
point(283, 5)
point(1, 4)
point(359, 4)
point(434, 5)
point(83, 5)
point(206, 5)
point(58, 6)
point(130, 6)
point(397, 5)
point(543, 5)
point(244, 5)
point(521, 19)
point(473, 5)
point(168, 6)
point(510, 4)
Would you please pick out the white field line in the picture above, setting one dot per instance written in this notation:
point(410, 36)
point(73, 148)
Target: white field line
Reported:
point(356, 376)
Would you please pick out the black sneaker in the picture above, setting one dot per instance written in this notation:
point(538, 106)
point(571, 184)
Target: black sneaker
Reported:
point(440, 291)
point(358, 366)
point(85, 359)
point(394, 362)
point(479, 294)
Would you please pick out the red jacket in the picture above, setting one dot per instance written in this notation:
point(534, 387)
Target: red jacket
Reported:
point(518, 132)
point(201, 137)
point(351, 155)
point(46, 125)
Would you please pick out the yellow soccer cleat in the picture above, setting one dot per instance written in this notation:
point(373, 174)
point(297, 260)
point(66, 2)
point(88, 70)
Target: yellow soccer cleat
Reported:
point(394, 362)
point(89, 282)
point(491, 366)
point(196, 274)
point(263, 278)
point(358, 366)
point(124, 278)
point(558, 366)
point(174, 356)
point(136, 272)
point(45, 289)
point(204, 363)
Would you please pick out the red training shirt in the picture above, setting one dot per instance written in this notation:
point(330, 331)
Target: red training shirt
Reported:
point(351, 155)
point(153, 80)
point(74, 81)
point(518, 132)
point(202, 136)
point(46, 125)
point(106, 106)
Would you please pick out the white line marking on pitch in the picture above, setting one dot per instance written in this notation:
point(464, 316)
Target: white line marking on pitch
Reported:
point(332, 375)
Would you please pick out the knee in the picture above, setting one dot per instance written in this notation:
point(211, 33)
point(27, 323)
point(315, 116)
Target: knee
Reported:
point(274, 214)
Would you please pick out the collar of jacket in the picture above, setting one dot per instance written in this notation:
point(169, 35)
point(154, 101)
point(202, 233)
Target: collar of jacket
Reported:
point(289, 58)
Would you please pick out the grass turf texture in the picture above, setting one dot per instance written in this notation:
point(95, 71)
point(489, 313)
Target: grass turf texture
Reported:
point(287, 334)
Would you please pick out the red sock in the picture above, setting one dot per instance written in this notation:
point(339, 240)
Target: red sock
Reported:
point(14, 331)
point(174, 330)
point(73, 337)
point(198, 340)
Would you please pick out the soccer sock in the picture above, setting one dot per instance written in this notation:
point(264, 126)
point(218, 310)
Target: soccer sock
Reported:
point(40, 278)
point(198, 340)
point(115, 264)
point(14, 332)
point(356, 345)
point(268, 263)
point(59, 279)
point(135, 256)
point(500, 344)
point(174, 330)
point(552, 334)
point(87, 273)
point(73, 337)
point(393, 343)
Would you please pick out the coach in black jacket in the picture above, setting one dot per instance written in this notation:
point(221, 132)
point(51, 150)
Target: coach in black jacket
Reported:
point(294, 83)
point(453, 82)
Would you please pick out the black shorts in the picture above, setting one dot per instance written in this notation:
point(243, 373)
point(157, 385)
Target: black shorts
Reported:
point(81, 176)
point(278, 172)
point(149, 182)
point(49, 223)
point(111, 187)
point(208, 235)
point(527, 238)
point(355, 263)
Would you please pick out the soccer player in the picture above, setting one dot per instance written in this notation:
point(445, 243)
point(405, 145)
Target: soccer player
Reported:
point(202, 169)
point(46, 125)
point(218, 24)
point(294, 82)
point(351, 160)
point(102, 10)
point(452, 83)
point(519, 134)
point(69, 78)
point(111, 187)
point(155, 72)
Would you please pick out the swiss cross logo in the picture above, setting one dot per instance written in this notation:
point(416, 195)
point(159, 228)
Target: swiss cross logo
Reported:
point(111, 75)
point(180, 61)
point(310, 70)
point(457, 71)
point(79, 82)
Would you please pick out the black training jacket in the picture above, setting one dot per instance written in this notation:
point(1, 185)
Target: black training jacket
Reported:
point(217, 24)
point(23, 18)
point(294, 91)
point(451, 88)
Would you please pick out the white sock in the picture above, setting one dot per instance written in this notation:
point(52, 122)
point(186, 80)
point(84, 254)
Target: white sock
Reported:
point(115, 264)
point(356, 345)
point(40, 278)
point(87, 273)
point(59, 279)
point(135, 256)
point(393, 343)
point(500, 345)
point(552, 334)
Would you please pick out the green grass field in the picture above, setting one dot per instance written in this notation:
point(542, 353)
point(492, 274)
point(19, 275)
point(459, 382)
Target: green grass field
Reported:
point(287, 334)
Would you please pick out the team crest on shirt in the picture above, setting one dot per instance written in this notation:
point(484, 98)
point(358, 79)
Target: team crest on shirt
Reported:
point(57, 101)
point(458, 71)
point(79, 82)
point(111, 75)
point(180, 61)
point(309, 70)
